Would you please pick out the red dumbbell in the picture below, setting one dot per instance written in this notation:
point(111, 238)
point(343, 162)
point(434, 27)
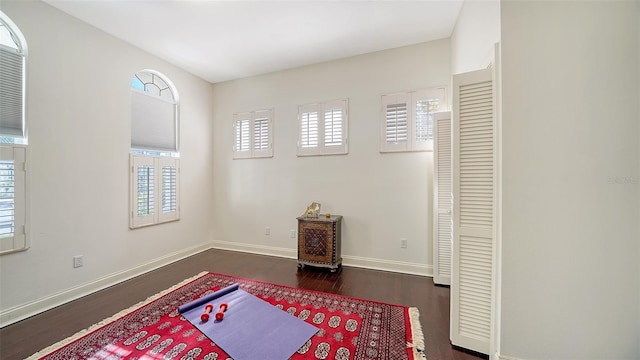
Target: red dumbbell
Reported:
point(220, 314)
point(205, 315)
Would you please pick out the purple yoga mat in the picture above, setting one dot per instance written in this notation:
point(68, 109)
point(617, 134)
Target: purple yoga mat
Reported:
point(203, 301)
point(252, 328)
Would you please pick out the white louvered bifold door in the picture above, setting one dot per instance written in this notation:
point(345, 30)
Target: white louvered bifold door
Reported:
point(474, 163)
point(442, 200)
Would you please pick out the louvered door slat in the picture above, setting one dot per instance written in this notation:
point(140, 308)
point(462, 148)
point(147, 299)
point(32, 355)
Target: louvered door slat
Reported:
point(443, 203)
point(474, 211)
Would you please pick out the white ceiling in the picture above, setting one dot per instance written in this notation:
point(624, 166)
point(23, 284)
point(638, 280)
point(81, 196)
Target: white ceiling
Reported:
point(224, 40)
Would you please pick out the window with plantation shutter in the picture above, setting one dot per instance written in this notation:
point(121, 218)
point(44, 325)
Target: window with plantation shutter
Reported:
point(13, 53)
point(13, 199)
point(155, 172)
point(407, 119)
point(155, 189)
point(253, 133)
point(323, 128)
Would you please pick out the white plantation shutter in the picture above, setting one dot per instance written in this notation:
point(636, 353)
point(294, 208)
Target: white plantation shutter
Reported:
point(253, 133)
point(443, 200)
point(143, 180)
point(309, 129)
point(242, 141)
point(395, 125)
point(323, 128)
point(474, 162)
point(155, 185)
point(13, 199)
point(262, 133)
point(335, 130)
point(168, 188)
point(309, 134)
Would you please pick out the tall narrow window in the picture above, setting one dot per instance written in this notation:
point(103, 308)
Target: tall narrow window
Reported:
point(323, 128)
point(407, 119)
point(253, 133)
point(13, 138)
point(154, 113)
point(155, 168)
point(13, 54)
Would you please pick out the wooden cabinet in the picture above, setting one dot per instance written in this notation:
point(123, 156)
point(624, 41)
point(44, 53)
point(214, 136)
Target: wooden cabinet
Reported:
point(319, 242)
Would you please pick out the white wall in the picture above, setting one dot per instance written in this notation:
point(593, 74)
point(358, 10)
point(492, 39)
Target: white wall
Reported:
point(570, 191)
point(79, 135)
point(383, 197)
point(474, 36)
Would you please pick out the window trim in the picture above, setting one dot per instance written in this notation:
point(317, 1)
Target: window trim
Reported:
point(411, 99)
point(321, 109)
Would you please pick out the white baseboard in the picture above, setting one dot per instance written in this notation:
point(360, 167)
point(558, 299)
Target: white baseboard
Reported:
point(256, 249)
point(356, 261)
point(388, 265)
point(21, 312)
point(503, 357)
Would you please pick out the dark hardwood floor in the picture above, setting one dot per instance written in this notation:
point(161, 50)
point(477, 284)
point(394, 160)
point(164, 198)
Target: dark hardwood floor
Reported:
point(26, 337)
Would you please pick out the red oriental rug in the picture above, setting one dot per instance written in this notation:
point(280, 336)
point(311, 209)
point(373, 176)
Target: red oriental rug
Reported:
point(350, 328)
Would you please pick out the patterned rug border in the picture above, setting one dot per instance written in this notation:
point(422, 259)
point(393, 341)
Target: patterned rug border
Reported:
point(113, 318)
point(417, 336)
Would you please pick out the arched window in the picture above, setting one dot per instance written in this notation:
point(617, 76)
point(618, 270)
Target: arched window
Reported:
point(154, 112)
point(13, 137)
point(155, 167)
point(13, 54)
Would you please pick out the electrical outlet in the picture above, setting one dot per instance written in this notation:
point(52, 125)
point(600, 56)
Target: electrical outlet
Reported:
point(78, 261)
point(403, 243)
point(292, 234)
point(267, 231)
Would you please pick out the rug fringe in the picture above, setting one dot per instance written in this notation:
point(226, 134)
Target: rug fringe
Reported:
point(417, 336)
point(112, 318)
